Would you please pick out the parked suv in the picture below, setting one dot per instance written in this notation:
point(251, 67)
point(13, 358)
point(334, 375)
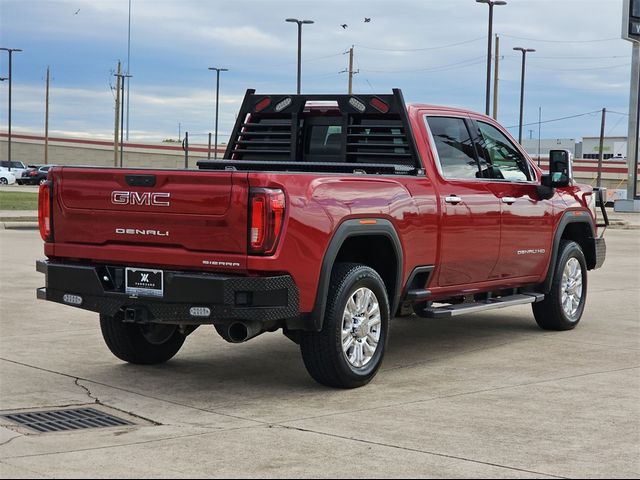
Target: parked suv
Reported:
point(35, 175)
point(328, 216)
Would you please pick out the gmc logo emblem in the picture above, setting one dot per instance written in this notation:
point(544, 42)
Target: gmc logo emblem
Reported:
point(156, 199)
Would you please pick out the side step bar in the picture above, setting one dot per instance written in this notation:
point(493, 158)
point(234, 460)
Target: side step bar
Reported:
point(491, 304)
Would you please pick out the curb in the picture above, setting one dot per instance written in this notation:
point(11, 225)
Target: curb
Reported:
point(20, 225)
point(19, 219)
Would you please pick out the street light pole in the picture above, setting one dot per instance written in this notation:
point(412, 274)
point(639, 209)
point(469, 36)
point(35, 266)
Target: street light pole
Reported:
point(218, 70)
point(524, 58)
point(300, 23)
point(491, 4)
point(10, 51)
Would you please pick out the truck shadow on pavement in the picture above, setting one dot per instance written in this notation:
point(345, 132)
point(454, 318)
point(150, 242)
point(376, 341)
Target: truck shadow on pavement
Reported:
point(271, 365)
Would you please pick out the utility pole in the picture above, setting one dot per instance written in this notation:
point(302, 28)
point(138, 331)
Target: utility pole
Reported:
point(601, 150)
point(351, 70)
point(46, 121)
point(116, 128)
point(120, 88)
point(495, 79)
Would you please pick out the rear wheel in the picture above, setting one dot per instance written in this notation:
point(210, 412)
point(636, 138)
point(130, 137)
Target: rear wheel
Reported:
point(348, 351)
point(4, 181)
point(147, 344)
point(563, 306)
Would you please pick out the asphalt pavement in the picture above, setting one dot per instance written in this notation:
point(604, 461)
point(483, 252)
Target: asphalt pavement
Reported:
point(481, 395)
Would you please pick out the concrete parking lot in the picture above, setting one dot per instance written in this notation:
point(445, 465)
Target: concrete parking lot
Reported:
point(482, 395)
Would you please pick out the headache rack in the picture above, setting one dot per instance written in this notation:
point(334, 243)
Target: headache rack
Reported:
point(357, 133)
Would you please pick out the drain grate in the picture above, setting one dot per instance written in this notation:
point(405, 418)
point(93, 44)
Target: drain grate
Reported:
point(65, 420)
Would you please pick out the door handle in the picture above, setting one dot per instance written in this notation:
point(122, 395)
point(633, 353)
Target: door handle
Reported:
point(453, 199)
point(509, 200)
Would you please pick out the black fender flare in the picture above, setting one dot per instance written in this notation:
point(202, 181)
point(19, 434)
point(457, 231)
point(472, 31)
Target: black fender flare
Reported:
point(348, 229)
point(573, 216)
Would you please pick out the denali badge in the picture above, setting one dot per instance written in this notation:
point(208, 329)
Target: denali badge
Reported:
point(156, 199)
point(136, 231)
point(535, 251)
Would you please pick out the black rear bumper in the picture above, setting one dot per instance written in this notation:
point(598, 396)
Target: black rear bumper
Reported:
point(100, 288)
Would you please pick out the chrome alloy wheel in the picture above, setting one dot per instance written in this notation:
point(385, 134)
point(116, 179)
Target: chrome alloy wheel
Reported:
point(571, 287)
point(361, 327)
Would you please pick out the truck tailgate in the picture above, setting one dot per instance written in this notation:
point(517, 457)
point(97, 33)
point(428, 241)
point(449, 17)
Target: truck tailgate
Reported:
point(189, 211)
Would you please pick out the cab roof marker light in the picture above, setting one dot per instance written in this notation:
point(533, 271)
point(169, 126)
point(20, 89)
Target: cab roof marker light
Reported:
point(357, 104)
point(379, 105)
point(262, 104)
point(282, 104)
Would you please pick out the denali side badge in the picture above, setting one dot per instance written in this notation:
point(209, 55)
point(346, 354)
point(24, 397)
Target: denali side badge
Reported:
point(156, 199)
point(534, 251)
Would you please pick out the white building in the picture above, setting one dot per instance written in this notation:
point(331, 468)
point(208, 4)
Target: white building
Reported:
point(614, 147)
point(546, 144)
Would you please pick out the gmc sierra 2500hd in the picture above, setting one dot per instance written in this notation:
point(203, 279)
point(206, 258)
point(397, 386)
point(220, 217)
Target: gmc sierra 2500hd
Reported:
point(328, 216)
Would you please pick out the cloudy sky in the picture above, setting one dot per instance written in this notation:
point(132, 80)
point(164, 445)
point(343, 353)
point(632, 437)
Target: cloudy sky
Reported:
point(435, 50)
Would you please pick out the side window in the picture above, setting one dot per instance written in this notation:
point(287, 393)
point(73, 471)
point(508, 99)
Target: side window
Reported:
point(504, 160)
point(455, 148)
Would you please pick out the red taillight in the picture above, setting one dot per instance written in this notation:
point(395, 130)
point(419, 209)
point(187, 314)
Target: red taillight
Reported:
point(44, 211)
point(267, 218)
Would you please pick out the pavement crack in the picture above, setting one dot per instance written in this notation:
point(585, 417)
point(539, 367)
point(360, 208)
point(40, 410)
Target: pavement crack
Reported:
point(7, 442)
point(143, 395)
point(87, 391)
point(415, 450)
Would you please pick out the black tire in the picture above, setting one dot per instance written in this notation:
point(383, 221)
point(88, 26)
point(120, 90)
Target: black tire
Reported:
point(4, 181)
point(141, 344)
point(550, 314)
point(322, 351)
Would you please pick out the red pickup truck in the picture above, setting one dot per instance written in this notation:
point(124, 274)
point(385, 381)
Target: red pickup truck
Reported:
point(328, 216)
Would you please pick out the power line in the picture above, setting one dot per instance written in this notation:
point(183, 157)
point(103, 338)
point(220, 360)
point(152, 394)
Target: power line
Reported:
point(595, 40)
point(580, 69)
point(464, 63)
point(617, 113)
point(614, 126)
point(558, 119)
point(575, 57)
point(423, 48)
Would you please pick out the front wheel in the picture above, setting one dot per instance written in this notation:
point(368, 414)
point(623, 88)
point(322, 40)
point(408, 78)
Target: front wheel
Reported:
point(348, 351)
point(4, 181)
point(563, 306)
point(147, 344)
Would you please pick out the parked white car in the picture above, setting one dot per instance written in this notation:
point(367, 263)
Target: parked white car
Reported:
point(17, 168)
point(7, 178)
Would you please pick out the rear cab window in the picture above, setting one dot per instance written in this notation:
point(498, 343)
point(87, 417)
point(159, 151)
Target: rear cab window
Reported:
point(454, 146)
